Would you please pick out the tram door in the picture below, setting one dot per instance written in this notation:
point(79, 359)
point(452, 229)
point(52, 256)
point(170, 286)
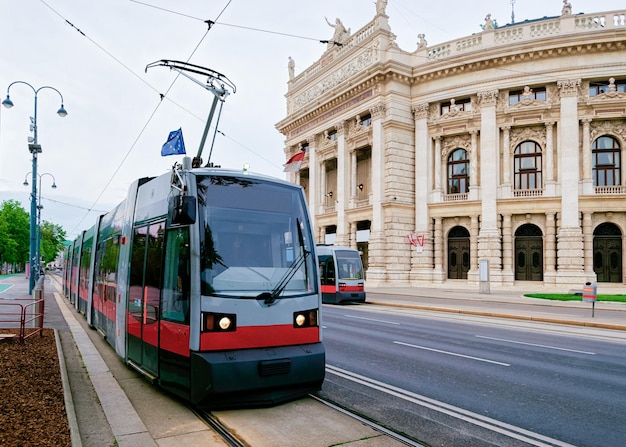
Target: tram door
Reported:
point(144, 297)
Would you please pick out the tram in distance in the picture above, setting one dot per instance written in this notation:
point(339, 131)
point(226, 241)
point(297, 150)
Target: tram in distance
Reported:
point(341, 274)
point(205, 281)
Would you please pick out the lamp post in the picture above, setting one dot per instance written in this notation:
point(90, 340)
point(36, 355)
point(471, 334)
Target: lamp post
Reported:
point(34, 149)
point(39, 208)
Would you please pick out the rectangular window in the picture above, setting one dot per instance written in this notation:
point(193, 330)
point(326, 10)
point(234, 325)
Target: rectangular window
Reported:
point(462, 105)
point(600, 87)
point(532, 94)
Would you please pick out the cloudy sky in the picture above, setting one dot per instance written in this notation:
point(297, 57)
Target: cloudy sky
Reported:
point(95, 53)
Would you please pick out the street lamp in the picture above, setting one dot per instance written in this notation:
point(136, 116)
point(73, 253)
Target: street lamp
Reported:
point(34, 149)
point(39, 208)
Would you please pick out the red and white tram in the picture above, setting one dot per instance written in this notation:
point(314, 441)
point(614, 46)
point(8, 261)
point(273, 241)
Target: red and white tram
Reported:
point(205, 280)
point(341, 274)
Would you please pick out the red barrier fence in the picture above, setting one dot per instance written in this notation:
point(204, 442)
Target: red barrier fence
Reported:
point(14, 315)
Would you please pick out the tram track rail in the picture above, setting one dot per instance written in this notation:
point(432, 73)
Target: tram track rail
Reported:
point(370, 423)
point(219, 428)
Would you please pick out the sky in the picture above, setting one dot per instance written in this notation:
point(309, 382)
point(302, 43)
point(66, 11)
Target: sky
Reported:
point(95, 54)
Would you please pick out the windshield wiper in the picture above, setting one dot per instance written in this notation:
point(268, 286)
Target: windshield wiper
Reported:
point(270, 297)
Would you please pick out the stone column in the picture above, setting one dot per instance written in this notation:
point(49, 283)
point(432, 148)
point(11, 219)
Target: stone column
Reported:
point(550, 185)
point(438, 273)
point(550, 246)
point(489, 236)
point(422, 262)
point(507, 168)
point(569, 238)
point(508, 275)
point(314, 185)
point(376, 273)
point(353, 174)
point(322, 190)
point(352, 235)
point(438, 191)
point(587, 156)
point(588, 247)
point(474, 231)
point(343, 188)
point(474, 186)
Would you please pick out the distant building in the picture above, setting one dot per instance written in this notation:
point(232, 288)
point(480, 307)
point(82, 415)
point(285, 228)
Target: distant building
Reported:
point(504, 147)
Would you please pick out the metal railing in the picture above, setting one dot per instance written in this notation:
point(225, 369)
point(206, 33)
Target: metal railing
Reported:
point(26, 319)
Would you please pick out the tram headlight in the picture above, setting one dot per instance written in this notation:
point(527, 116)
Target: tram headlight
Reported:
point(225, 323)
point(217, 322)
point(306, 318)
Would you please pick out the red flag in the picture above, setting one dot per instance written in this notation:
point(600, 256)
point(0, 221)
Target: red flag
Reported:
point(294, 163)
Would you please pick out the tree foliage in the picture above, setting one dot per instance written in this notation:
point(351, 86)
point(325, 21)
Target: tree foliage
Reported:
point(15, 236)
point(14, 233)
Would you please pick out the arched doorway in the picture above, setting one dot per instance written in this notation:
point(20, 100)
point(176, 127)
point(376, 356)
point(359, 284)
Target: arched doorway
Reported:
point(607, 253)
point(458, 253)
point(528, 253)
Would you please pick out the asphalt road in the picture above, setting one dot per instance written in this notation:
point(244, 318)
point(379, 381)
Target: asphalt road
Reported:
point(445, 381)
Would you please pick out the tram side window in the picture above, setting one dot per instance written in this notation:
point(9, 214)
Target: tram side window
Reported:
point(177, 277)
point(327, 270)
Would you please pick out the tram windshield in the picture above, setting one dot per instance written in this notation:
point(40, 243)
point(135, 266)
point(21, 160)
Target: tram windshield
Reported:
point(349, 265)
point(250, 243)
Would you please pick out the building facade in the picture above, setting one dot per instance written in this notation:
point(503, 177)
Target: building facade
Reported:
point(496, 154)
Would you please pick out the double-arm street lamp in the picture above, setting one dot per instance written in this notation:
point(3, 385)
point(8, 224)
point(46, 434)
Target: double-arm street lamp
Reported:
point(34, 149)
point(39, 208)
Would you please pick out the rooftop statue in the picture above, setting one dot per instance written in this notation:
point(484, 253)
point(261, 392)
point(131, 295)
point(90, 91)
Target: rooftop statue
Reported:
point(381, 5)
point(567, 8)
point(341, 33)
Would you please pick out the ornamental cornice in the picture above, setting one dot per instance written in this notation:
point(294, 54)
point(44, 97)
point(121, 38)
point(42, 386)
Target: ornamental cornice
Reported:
point(346, 71)
point(449, 144)
point(505, 60)
point(519, 135)
point(615, 128)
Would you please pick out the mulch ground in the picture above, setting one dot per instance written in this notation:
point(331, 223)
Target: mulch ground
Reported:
point(32, 407)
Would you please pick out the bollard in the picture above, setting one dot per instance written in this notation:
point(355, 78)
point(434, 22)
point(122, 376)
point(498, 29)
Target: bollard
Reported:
point(590, 292)
point(38, 292)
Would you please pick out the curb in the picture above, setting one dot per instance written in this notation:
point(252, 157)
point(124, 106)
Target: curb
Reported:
point(507, 316)
point(70, 410)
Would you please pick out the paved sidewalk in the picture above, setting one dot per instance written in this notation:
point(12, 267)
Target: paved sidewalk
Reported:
point(505, 303)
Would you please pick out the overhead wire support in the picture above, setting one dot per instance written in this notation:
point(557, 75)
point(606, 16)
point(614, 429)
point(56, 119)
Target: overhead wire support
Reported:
point(216, 83)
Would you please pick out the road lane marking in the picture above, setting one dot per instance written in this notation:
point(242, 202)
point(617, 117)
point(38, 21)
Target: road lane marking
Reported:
point(371, 319)
point(488, 423)
point(452, 353)
point(534, 344)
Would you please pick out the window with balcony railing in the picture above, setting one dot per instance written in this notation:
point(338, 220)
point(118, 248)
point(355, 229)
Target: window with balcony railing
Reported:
point(606, 162)
point(528, 166)
point(458, 172)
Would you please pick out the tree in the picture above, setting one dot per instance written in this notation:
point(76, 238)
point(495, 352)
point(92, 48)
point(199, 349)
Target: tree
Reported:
point(52, 237)
point(14, 234)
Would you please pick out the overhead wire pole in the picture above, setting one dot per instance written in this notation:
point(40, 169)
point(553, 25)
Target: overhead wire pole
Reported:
point(219, 91)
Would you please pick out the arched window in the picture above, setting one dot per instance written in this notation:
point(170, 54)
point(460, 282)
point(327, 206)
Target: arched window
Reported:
point(528, 166)
point(606, 162)
point(458, 172)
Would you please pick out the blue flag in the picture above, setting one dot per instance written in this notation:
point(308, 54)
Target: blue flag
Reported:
point(174, 144)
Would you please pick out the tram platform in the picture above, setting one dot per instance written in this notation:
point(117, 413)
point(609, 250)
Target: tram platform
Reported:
point(110, 404)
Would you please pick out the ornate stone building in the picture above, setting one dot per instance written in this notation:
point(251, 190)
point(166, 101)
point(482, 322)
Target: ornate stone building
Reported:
point(502, 149)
